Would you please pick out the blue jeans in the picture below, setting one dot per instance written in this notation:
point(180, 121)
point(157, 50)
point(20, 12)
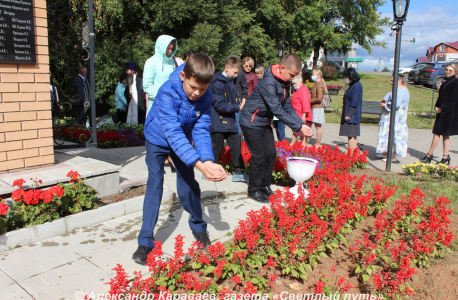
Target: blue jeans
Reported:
point(280, 129)
point(187, 187)
point(237, 119)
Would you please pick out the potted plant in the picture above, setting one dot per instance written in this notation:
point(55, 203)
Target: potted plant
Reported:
point(334, 89)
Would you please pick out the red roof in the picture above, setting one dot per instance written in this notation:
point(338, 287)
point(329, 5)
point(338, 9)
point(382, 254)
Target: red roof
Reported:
point(430, 49)
point(454, 45)
point(422, 59)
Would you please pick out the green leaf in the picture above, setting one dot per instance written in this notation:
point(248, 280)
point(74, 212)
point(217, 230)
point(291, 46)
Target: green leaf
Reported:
point(322, 254)
point(308, 267)
point(358, 270)
point(209, 269)
point(365, 277)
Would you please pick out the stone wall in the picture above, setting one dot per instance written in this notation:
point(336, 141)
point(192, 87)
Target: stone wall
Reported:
point(25, 105)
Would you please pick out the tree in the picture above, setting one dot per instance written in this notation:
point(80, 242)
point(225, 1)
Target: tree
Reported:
point(385, 69)
point(126, 30)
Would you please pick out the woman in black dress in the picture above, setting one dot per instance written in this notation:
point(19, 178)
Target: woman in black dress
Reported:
point(446, 123)
point(351, 113)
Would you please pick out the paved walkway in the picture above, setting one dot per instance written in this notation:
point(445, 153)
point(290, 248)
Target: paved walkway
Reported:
point(71, 265)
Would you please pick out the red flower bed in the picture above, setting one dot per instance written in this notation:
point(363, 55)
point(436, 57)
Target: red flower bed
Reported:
point(36, 206)
point(293, 235)
point(326, 156)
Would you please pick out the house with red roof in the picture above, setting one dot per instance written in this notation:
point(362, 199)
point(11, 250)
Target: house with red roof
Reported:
point(443, 51)
point(421, 59)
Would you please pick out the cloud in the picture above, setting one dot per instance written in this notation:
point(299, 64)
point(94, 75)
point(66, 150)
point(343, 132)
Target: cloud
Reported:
point(421, 25)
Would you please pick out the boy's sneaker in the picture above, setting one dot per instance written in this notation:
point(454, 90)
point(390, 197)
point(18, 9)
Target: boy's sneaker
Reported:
point(203, 238)
point(240, 177)
point(141, 254)
point(267, 191)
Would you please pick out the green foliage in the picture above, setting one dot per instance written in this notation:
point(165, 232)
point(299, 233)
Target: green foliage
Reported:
point(127, 31)
point(78, 196)
point(32, 207)
point(385, 69)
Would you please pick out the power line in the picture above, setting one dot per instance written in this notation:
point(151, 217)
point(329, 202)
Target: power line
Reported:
point(442, 37)
point(433, 25)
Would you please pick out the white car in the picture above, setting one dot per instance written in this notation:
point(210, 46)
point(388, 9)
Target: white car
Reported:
point(405, 71)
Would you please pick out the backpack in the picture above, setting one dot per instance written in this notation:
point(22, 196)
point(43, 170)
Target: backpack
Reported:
point(326, 101)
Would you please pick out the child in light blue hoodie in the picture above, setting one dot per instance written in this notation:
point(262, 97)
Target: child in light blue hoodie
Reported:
point(120, 99)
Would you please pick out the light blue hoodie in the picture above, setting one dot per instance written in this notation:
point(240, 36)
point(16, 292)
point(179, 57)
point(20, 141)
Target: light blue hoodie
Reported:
point(120, 99)
point(158, 68)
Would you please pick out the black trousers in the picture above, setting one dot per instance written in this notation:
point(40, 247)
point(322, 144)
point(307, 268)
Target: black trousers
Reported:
point(261, 144)
point(81, 116)
point(235, 145)
point(122, 115)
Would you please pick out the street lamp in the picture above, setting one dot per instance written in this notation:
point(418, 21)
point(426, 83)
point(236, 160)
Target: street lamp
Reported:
point(400, 8)
point(281, 51)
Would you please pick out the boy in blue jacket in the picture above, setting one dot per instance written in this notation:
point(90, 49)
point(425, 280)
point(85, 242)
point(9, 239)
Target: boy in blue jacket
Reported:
point(225, 104)
point(180, 113)
point(270, 98)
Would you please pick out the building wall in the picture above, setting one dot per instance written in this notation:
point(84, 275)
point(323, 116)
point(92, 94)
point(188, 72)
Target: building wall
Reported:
point(25, 105)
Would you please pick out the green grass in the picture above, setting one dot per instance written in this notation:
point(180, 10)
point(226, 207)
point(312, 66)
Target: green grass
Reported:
point(375, 87)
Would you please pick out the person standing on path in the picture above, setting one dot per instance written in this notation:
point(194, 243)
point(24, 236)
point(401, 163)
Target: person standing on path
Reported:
point(242, 95)
point(251, 78)
point(446, 123)
point(400, 124)
point(81, 90)
point(180, 113)
point(120, 99)
point(137, 114)
point(159, 67)
point(301, 104)
point(318, 91)
point(351, 110)
point(270, 98)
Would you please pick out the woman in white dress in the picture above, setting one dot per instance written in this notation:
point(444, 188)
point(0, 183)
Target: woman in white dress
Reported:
point(132, 111)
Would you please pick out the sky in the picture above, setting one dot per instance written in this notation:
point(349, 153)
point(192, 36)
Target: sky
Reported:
point(429, 22)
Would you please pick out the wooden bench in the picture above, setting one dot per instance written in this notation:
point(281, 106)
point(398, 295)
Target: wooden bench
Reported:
point(371, 107)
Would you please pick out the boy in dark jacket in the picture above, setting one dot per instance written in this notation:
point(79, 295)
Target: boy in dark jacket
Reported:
point(180, 113)
point(270, 98)
point(225, 104)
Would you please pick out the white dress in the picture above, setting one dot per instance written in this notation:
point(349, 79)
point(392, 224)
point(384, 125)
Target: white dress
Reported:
point(400, 124)
point(132, 111)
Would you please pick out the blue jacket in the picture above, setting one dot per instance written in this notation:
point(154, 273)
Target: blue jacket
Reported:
point(174, 121)
point(270, 98)
point(224, 104)
point(353, 97)
point(120, 99)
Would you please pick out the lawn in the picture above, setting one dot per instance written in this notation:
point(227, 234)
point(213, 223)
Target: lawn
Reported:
point(375, 88)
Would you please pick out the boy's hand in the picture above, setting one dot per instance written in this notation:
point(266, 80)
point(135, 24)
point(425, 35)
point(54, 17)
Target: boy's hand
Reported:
point(211, 171)
point(243, 103)
point(306, 131)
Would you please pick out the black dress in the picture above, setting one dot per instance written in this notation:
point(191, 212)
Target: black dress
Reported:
point(446, 123)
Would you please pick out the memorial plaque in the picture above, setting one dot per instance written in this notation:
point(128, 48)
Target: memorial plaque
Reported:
point(17, 37)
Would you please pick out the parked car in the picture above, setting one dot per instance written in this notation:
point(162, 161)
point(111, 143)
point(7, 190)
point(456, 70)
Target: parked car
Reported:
point(413, 74)
point(433, 74)
point(405, 71)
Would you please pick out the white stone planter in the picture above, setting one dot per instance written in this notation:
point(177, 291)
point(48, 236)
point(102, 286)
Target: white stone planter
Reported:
point(25, 236)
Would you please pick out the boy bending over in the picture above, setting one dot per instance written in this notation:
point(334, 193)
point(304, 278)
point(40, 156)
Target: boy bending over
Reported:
point(180, 113)
point(270, 98)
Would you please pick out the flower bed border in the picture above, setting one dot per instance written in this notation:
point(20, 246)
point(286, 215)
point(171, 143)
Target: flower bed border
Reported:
point(25, 236)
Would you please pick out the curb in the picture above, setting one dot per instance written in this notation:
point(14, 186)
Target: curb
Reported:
point(25, 236)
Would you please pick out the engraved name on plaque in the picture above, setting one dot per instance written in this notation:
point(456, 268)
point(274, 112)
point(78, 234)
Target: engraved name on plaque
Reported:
point(17, 38)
